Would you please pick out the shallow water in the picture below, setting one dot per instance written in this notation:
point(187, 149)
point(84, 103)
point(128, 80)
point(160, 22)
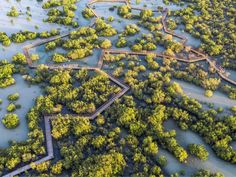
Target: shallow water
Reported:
point(184, 138)
point(8, 52)
point(192, 41)
point(232, 74)
point(45, 57)
point(28, 94)
point(26, 100)
point(193, 91)
point(20, 22)
point(153, 4)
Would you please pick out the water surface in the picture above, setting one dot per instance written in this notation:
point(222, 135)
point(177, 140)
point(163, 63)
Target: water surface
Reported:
point(28, 94)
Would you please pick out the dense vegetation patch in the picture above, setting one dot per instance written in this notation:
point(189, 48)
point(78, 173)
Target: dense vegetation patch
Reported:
point(6, 74)
point(126, 139)
point(213, 23)
point(10, 121)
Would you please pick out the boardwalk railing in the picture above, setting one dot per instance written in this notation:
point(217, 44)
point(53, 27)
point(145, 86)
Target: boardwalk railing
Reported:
point(49, 156)
point(144, 53)
point(49, 145)
point(202, 56)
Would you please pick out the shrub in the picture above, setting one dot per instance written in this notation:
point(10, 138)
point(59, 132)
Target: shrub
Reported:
point(87, 13)
point(10, 121)
point(122, 42)
point(124, 10)
point(13, 12)
point(19, 58)
point(11, 107)
point(208, 93)
point(199, 151)
point(59, 58)
point(106, 44)
point(34, 57)
point(13, 97)
point(6, 70)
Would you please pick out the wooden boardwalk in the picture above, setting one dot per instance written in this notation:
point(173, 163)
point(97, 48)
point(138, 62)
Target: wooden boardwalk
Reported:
point(44, 41)
point(221, 72)
point(113, 1)
point(49, 147)
point(49, 144)
point(125, 88)
point(144, 53)
point(48, 136)
point(163, 19)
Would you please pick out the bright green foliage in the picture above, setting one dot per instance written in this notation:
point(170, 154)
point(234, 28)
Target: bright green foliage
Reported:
point(125, 139)
point(78, 53)
point(99, 141)
point(106, 44)
point(110, 164)
point(217, 34)
point(13, 97)
point(64, 16)
point(47, 34)
point(211, 83)
point(19, 58)
point(208, 93)
point(58, 58)
point(87, 13)
point(10, 121)
point(57, 168)
point(131, 30)
point(50, 46)
point(124, 10)
point(137, 47)
point(206, 173)
point(11, 107)
point(6, 71)
point(122, 42)
point(13, 12)
point(145, 14)
point(42, 167)
point(23, 36)
point(6, 41)
point(149, 146)
point(82, 126)
point(34, 57)
point(104, 29)
point(199, 151)
point(171, 24)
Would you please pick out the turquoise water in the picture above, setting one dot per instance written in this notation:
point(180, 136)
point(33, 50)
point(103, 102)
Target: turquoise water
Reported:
point(26, 100)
